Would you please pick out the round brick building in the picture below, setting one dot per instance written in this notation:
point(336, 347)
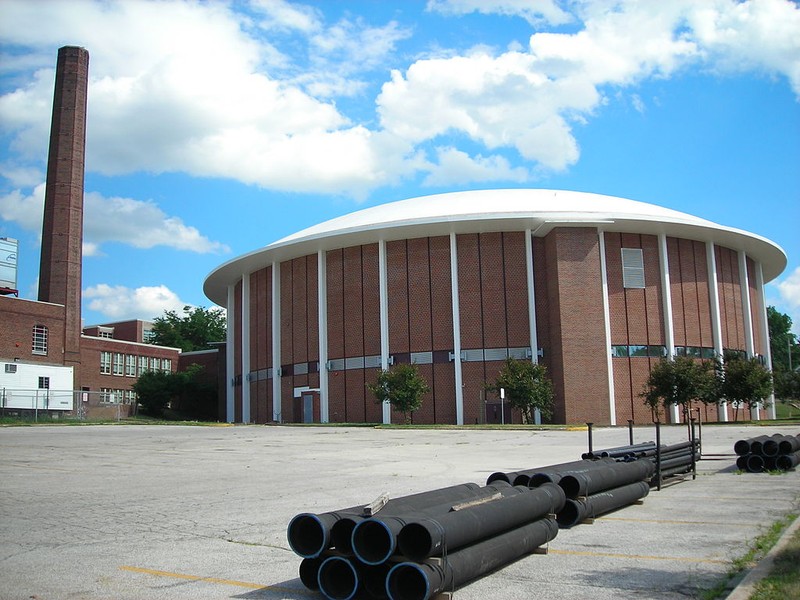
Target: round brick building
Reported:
point(596, 288)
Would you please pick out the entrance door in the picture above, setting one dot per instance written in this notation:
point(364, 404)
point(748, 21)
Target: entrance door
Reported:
point(308, 408)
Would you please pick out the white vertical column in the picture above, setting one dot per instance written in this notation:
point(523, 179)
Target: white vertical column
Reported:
point(322, 326)
point(245, 348)
point(276, 343)
point(383, 286)
point(716, 326)
point(230, 337)
point(459, 382)
point(537, 414)
point(666, 297)
point(765, 332)
point(612, 400)
point(747, 317)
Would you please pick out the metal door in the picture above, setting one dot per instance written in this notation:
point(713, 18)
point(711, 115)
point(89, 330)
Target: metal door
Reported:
point(308, 408)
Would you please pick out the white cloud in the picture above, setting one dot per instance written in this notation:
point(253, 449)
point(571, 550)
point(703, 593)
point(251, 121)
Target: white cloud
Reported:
point(248, 92)
point(459, 168)
point(27, 211)
point(141, 224)
point(178, 86)
point(282, 15)
point(529, 101)
point(500, 101)
point(755, 35)
point(534, 11)
point(789, 289)
point(784, 295)
point(120, 303)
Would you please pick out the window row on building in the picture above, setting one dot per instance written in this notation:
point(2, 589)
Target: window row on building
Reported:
point(131, 365)
point(109, 395)
point(658, 351)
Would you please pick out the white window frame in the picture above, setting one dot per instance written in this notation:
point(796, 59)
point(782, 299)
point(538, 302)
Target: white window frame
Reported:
point(633, 268)
point(117, 365)
point(39, 340)
point(105, 363)
point(130, 365)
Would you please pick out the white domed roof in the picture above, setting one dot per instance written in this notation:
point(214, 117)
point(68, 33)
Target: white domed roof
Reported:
point(483, 211)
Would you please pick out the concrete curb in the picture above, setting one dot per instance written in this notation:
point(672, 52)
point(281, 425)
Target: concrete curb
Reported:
point(746, 586)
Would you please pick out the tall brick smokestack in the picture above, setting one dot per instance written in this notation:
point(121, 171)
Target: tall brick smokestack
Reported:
point(62, 232)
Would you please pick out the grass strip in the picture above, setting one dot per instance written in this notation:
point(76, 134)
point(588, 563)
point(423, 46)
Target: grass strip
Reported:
point(757, 550)
point(783, 580)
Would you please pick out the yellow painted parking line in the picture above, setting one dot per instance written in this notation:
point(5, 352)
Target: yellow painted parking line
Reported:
point(232, 582)
point(674, 522)
point(639, 556)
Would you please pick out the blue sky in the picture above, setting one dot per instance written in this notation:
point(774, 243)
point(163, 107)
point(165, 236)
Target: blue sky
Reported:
point(216, 128)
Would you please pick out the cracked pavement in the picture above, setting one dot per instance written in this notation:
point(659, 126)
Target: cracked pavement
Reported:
point(179, 512)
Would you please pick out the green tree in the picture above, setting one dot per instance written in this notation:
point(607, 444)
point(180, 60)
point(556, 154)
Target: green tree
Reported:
point(745, 382)
point(198, 394)
point(185, 391)
point(783, 344)
point(526, 386)
point(195, 330)
point(680, 381)
point(787, 385)
point(402, 386)
point(155, 390)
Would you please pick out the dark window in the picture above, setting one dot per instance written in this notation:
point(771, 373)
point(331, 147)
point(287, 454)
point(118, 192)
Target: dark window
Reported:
point(619, 351)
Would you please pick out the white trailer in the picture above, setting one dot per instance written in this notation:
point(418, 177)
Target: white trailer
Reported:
point(25, 386)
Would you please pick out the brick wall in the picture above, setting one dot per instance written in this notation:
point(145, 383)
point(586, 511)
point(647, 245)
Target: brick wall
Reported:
point(17, 320)
point(578, 353)
point(89, 376)
point(730, 298)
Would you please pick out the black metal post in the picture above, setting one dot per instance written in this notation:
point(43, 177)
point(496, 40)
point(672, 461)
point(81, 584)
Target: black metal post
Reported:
point(658, 455)
point(699, 433)
point(694, 462)
point(589, 425)
point(630, 431)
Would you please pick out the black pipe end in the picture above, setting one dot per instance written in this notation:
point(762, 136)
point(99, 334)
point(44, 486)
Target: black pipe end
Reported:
point(741, 447)
point(570, 515)
point(755, 463)
point(571, 484)
point(499, 476)
point(373, 580)
point(415, 542)
point(522, 479)
point(373, 542)
point(309, 573)
point(342, 534)
point(770, 448)
point(408, 581)
point(338, 578)
point(307, 535)
point(538, 479)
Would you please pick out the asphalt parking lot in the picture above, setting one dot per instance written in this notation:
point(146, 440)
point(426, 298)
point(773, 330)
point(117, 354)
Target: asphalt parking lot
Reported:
point(176, 512)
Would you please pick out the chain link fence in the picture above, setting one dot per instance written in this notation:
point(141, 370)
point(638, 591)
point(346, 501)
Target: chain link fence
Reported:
point(49, 405)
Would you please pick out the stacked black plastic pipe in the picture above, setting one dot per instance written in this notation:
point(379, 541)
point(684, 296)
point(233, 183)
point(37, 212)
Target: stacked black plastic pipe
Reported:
point(417, 546)
point(472, 529)
point(776, 452)
point(592, 486)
